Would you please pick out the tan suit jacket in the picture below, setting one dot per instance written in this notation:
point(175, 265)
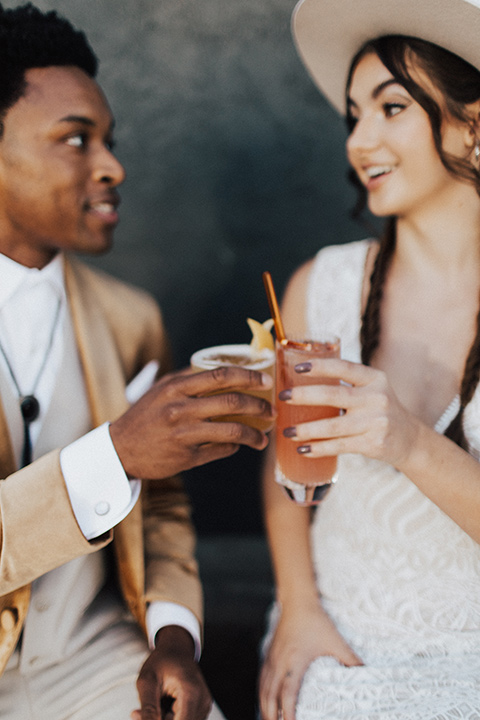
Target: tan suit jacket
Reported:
point(118, 329)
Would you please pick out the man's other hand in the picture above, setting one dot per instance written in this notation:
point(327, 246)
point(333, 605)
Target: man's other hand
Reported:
point(170, 684)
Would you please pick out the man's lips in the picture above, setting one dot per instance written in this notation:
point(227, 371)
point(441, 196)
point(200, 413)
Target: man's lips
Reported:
point(105, 208)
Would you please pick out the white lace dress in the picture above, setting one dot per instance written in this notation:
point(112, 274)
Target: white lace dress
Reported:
point(399, 578)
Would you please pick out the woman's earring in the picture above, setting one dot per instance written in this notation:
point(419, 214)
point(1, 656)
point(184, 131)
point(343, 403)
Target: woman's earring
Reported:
point(477, 150)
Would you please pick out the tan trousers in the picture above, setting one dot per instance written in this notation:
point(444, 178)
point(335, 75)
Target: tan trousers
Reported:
point(97, 683)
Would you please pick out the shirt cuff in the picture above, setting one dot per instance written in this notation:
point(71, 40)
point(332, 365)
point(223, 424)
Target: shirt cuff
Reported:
point(100, 492)
point(161, 614)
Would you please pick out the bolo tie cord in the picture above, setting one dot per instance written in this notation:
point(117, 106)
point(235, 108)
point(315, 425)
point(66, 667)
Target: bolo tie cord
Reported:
point(29, 405)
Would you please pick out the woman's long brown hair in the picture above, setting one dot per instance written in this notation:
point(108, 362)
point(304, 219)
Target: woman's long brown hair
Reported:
point(459, 84)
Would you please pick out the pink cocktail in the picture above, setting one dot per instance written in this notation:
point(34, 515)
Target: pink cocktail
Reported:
point(305, 480)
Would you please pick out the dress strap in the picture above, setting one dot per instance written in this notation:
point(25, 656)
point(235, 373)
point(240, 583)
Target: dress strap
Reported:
point(334, 294)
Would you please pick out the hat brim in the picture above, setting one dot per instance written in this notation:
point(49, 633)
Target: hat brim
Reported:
point(328, 33)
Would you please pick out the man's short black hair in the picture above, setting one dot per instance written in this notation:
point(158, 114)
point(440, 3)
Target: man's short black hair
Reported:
point(30, 38)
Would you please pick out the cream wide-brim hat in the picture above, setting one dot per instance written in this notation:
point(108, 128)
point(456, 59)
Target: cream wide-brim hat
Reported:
point(328, 33)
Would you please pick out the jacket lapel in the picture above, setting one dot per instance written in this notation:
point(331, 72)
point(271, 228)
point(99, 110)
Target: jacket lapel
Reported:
point(7, 459)
point(14, 606)
point(105, 382)
point(100, 360)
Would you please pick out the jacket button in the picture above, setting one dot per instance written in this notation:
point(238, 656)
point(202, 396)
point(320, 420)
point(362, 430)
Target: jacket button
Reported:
point(8, 619)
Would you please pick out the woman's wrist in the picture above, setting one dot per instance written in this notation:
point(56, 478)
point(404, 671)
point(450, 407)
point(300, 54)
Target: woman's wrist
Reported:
point(298, 598)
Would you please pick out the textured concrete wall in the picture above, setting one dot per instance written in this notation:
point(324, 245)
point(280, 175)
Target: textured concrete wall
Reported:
point(235, 165)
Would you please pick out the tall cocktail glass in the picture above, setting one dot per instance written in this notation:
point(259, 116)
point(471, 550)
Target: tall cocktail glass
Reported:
point(305, 480)
point(245, 356)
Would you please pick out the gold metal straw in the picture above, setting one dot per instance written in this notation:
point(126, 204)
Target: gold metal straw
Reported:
point(274, 309)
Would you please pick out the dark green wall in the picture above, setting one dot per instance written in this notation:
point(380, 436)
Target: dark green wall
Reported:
point(235, 165)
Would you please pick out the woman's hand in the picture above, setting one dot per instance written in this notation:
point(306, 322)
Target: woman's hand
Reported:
point(373, 422)
point(300, 637)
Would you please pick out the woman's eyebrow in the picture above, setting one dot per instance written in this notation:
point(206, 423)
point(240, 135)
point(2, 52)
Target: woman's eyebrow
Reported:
point(381, 87)
point(375, 92)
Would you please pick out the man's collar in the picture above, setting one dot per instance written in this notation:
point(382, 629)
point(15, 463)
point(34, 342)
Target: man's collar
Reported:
point(13, 275)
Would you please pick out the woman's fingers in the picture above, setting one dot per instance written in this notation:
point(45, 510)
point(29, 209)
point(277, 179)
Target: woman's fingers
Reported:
point(370, 420)
point(339, 396)
point(289, 691)
point(338, 383)
point(279, 691)
point(269, 691)
point(331, 395)
point(338, 369)
point(339, 426)
point(362, 432)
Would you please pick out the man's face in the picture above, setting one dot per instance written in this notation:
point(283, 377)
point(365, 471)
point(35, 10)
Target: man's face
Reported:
point(57, 171)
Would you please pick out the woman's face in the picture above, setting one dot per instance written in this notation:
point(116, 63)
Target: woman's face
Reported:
point(391, 146)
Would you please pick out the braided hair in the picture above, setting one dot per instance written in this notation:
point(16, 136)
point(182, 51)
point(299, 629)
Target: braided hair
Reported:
point(459, 83)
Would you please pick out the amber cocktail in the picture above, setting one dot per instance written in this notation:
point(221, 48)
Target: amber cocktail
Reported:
point(242, 355)
point(305, 480)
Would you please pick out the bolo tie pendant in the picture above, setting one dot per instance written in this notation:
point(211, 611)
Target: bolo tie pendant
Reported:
point(30, 409)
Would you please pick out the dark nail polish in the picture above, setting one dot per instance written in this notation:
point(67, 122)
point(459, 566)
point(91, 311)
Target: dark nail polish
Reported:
point(285, 395)
point(303, 367)
point(304, 449)
point(290, 432)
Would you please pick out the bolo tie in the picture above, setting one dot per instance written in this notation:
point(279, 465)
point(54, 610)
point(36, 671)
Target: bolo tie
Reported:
point(29, 405)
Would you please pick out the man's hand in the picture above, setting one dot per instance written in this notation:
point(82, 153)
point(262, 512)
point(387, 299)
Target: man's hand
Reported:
point(170, 684)
point(169, 429)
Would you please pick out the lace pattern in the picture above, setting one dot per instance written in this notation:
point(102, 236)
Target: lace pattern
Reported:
point(400, 579)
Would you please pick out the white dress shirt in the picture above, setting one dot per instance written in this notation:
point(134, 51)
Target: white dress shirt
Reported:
point(33, 311)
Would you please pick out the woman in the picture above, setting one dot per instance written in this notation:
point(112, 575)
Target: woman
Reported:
point(378, 612)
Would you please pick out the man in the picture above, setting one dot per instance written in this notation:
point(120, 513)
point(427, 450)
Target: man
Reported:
point(90, 516)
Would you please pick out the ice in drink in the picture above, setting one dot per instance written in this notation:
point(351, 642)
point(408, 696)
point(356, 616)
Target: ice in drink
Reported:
point(305, 480)
point(242, 355)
